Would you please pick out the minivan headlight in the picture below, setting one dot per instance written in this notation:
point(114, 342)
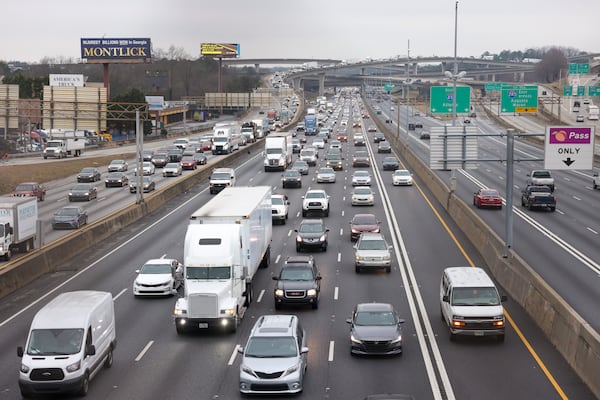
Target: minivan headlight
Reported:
point(291, 369)
point(24, 369)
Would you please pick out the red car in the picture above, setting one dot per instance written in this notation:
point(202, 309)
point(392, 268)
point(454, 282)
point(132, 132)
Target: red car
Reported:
point(188, 162)
point(342, 136)
point(487, 198)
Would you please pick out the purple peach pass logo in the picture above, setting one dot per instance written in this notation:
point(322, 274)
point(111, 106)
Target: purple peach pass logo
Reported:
point(569, 135)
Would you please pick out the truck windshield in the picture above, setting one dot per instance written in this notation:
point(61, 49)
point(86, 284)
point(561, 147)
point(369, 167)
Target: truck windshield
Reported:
point(207, 272)
point(220, 140)
point(273, 151)
point(1, 231)
point(475, 296)
point(53, 144)
point(220, 176)
point(45, 342)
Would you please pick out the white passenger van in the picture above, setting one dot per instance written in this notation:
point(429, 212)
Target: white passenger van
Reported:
point(470, 303)
point(69, 341)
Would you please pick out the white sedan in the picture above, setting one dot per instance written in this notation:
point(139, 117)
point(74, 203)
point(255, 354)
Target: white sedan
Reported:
point(319, 143)
point(325, 175)
point(402, 177)
point(172, 169)
point(158, 277)
point(363, 196)
point(147, 168)
point(361, 178)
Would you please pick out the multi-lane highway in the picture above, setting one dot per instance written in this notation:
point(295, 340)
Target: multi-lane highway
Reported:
point(153, 361)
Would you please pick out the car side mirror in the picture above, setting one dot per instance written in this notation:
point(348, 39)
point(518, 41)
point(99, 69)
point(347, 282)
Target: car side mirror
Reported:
point(503, 298)
point(275, 278)
point(445, 299)
point(295, 230)
point(326, 229)
point(90, 350)
point(304, 350)
point(318, 278)
point(400, 321)
point(349, 321)
point(20, 351)
point(240, 350)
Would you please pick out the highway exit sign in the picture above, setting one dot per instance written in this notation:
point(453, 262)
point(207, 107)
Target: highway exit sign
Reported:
point(569, 147)
point(579, 68)
point(442, 98)
point(520, 99)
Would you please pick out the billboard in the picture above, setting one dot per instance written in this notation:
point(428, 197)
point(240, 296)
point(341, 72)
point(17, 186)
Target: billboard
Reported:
point(66, 80)
point(116, 50)
point(229, 50)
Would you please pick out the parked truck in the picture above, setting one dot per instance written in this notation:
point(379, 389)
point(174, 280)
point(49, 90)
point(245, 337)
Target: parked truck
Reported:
point(227, 241)
point(18, 220)
point(278, 151)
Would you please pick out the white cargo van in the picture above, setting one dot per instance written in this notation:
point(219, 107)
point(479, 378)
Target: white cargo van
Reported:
point(470, 303)
point(69, 341)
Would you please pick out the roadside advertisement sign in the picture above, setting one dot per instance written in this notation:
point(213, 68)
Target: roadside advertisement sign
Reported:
point(116, 50)
point(66, 80)
point(221, 50)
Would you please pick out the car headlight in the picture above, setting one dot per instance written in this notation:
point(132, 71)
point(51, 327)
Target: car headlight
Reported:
point(323, 238)
point(358, 258)
point(298, 238)
point(311, 292)
point(355, 339)
point(24, 369)
point(74, 367)
point(398, 339)
point(291, 369)
point(247, 370)
point(278, 292)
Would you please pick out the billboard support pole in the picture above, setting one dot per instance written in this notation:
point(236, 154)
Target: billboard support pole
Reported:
point(220, 82)
point(106, 81)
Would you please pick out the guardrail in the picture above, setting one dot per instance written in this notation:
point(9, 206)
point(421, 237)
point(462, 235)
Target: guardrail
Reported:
point(576, 341)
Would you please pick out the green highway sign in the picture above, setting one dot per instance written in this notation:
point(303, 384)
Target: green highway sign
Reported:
point(388, 87)
point(568, 91)
point(593, 90)
point(579, 68)
point(493, 86)
point(580, 90)
point(520, 99)
point(441, 99)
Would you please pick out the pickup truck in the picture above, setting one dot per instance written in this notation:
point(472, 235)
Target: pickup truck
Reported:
point(538, 197)
point(29, 189)
point(540, 177)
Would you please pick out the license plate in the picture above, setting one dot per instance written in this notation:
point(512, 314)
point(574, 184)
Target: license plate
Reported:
point(478, 333)
point(203, 325)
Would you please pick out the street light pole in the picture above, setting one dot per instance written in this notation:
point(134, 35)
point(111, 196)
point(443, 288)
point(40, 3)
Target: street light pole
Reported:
point(455, 71)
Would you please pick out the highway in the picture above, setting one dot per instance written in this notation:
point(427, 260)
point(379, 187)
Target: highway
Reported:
point(153, 361)
point(563, 246)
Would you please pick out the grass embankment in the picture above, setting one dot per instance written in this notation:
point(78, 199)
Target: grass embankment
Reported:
point(45, 171)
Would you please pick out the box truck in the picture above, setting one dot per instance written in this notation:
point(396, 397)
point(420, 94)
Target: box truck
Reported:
point(227, 241)
point(278, 151)
point(18, 219)
point(71, 338)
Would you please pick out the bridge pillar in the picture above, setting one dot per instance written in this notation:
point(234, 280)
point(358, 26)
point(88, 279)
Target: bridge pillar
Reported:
point(257, 68)
point(321, 84)
point(362, 71)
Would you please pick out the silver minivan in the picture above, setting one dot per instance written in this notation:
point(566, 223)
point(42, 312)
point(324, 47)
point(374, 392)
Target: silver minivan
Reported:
point(274, 358)
point(470, 303)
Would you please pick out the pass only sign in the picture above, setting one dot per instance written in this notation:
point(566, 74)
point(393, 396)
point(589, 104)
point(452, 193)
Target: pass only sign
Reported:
point(569, 147)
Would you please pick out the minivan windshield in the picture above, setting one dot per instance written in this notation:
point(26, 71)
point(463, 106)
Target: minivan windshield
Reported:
point(475, 296)
point(269, 347)
point(46, 342)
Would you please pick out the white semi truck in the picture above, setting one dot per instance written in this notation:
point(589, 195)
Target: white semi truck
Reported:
point(278, 151)
point(226, 138)
point(18, 220)
point(64, 143)
point(227, 241)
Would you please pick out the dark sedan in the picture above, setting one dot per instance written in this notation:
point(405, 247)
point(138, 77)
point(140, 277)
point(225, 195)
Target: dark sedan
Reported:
point(311, 234)
point(375, 330)
point(83, 192)
point(116, 179)
point(89, 174)
point(148, 184)
point(384, 147)
point(291, 178)
point(390, 163)
point(200, 159)
point(69, 217)
point(363, 223)
point(301, 166)
point(378, 137)
point(160, 159)
point(298, 282)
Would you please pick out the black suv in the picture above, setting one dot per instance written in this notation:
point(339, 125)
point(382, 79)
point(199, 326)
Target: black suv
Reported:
point(299, 282)
point(312, 233)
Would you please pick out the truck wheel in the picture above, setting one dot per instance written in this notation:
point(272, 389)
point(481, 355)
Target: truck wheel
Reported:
point(8, 255)
point(552, 209)
point(42, 197)
point(85, 385)
point(249, 295)
point(180, 329)
point(451, 335)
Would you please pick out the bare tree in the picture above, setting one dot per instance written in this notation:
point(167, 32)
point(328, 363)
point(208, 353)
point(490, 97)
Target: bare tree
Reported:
point(548, 70)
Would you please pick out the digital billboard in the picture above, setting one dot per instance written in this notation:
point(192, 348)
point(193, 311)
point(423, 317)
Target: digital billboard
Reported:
point(221, 50)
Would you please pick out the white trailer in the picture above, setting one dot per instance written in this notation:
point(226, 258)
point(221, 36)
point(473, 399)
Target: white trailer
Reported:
point(278, 151)
point(226, 138)
point(227, 240)
point(18, 219)
point(62, 148)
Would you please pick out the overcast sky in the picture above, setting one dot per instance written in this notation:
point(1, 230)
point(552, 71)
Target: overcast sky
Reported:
point(336, 29)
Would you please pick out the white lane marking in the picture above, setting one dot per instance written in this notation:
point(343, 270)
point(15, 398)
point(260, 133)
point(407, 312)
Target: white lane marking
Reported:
point(336, 293)
point(342, 213)
point(119, 294)
point(290, 231)
point(341, 231)
point(144, 350)
point(277, 258)
point(234, 354)
point(576, 198)
point(331, 347)
point(591, 230)
point(339, 257)
point(260, 296)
